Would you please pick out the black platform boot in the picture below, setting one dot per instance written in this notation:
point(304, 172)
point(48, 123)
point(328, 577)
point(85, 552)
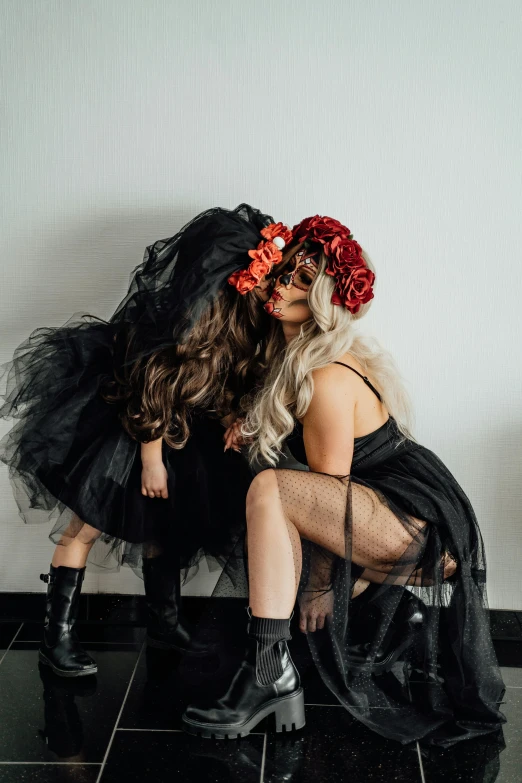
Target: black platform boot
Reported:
point(165, 628)
point(267, 683)
point(407, 618)
point(60, 648)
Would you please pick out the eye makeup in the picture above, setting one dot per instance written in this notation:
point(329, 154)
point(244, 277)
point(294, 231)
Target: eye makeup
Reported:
point(304, 270)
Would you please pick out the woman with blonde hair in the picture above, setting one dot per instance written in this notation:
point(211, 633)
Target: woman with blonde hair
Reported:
point(377, 540)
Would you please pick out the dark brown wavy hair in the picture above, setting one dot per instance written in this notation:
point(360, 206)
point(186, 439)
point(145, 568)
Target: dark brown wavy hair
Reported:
point(222, 359)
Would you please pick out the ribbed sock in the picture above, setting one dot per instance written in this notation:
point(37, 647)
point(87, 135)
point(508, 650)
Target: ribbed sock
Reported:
point(268, 632)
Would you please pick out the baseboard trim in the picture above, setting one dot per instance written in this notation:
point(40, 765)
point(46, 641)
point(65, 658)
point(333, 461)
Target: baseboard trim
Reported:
point(115, 608)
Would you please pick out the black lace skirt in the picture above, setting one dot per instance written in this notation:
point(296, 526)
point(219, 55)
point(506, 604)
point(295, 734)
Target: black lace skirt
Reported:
point(413, 526)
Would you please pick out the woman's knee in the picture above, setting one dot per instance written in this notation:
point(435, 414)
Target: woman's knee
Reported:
point(263, 491)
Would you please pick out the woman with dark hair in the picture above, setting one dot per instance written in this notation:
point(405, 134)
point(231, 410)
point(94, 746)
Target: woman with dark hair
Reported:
point(121, 423)
point(377, 540)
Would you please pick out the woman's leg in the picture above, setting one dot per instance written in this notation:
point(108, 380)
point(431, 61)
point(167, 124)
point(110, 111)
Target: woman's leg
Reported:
point(267, 682)
point(274, 531)
point(284, 506)
point(274, 551)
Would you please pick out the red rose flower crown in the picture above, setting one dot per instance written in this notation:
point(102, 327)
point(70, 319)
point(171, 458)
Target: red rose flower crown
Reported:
point(353, 280)
point(268, 252)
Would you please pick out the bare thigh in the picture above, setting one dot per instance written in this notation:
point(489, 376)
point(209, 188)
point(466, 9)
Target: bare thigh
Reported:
point(331, 512)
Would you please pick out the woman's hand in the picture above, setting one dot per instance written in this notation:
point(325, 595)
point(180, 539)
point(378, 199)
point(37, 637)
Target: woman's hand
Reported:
point(233, 437)
point(315, 606)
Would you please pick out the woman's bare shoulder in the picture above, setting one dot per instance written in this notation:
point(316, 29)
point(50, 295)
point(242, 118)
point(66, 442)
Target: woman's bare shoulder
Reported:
point(332, 383)
point(335, 374)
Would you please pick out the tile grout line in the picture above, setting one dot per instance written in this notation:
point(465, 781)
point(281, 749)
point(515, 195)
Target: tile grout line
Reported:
point(11, 642)
point(180, 731)
point(172, 731)
point(315, 704)
point(263, 759)
point(109, 746)
point(83, 641)
point(52, 763)
point(341, 706)
point(421, 765)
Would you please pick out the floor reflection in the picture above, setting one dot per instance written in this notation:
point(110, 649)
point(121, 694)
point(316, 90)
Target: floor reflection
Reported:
point(63, 727)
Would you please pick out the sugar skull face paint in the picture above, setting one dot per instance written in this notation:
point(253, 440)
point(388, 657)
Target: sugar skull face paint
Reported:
point(289, 299)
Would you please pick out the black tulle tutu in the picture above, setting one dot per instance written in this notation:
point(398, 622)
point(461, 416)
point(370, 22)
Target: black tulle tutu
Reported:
point(72, 463)
point(70, 460)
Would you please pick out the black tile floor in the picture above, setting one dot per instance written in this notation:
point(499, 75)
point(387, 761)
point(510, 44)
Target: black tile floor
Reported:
point(124, 723)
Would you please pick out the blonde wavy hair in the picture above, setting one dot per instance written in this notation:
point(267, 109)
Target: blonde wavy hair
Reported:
point(288, 387)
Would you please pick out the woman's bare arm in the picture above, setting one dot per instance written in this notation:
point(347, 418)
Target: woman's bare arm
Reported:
point(328, 431)
point(328, 425)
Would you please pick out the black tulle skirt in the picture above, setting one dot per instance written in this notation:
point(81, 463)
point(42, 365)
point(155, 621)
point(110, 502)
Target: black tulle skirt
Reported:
point(73, 465)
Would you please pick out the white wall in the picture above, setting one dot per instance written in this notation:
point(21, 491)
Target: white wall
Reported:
point(122, 119)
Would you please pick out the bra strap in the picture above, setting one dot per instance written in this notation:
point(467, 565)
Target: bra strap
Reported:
point(365, 379)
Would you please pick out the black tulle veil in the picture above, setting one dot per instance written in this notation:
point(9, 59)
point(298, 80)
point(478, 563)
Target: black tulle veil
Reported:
point(180, 276)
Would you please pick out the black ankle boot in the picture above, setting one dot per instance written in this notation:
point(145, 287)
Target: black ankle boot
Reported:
point(267, 683)
point(60, 648)
point(165, 628)
point(407, 619)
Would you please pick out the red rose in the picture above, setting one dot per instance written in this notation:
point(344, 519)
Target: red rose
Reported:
point(277, 230)
point(300, 231)
point(354, 289)
point(344, 255)
point(243, 281)
point(343, 245)
point(259, 268)
point(320, 229)
point(267, 254)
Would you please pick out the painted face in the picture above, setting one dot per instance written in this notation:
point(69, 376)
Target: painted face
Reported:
point(289, 299)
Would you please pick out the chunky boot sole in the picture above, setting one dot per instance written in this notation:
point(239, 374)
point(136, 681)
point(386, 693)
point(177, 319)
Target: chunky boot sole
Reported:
point(159, 645)
point(65, 672)
point(289, 714)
